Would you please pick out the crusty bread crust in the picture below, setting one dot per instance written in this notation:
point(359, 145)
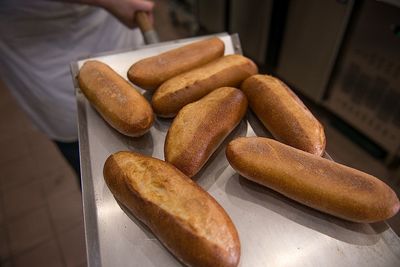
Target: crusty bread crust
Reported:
point(150, 72)
point(184, 217)
point(284, 114)
point(200, 127)
point(115, 99)
point(190, 86)
point(312, 180)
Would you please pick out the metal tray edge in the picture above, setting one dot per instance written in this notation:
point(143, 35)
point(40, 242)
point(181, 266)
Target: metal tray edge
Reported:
point(88, 199)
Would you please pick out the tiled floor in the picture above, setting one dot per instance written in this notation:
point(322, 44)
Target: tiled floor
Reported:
point(41, 221)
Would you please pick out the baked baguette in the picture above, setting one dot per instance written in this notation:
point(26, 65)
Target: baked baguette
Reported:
point(284, 114)
point(184, 217)
point(200, 127)
point(115, 99)
point(150, 72)
point(312, 180)
point(190, 86)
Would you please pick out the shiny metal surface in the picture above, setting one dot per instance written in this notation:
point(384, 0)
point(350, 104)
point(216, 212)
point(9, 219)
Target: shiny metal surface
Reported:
point(274, 230)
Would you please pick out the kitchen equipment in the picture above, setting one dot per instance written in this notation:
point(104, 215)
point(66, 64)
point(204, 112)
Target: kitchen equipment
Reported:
point(365, 89)
point(311, 40)
point(344, 55)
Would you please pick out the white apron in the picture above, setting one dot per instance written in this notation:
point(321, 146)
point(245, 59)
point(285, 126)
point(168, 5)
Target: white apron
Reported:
point(38, 41)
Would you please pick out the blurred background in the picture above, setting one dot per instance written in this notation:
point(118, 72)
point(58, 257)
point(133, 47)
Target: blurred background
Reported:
point(341, 57)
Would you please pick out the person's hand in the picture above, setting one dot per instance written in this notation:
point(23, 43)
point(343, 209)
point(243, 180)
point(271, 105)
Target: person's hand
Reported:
point(125, 10)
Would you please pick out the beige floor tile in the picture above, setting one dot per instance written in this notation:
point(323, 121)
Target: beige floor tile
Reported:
point(4, 96)
point(7, 263)
point(4, 248)
point(73, 246)
point(66, 211)
point(15, 114)
point(13, 147)
point(18, 172)
point(23, 199)
point(29, 230)
point(15, 122)
point(41, 142)
point(46, 155)
point(45, 254)
point(7, 101)
point(1, 212)
point(60, 184)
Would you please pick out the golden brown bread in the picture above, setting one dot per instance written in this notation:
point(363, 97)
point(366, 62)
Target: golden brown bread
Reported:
point(115, 99)
point(184, 217)
point(200, 127)
point(312, 180)
point(150, 72)
point(190, 86)
point(284, 114)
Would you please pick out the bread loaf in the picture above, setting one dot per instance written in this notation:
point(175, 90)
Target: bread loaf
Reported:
point(312, 180)
point(115, 99)
point(284, 114)
point(184, 217)
point(190, 86)
point(150, 72)
point(200, 127)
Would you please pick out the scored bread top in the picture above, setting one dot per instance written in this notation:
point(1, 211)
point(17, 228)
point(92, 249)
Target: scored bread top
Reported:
point(150, 72)
point(190, 86)
point(180, 213)
point(284, 114)
point(312, 180)
point(121, 105)
point(204, 72)
point(200, 127)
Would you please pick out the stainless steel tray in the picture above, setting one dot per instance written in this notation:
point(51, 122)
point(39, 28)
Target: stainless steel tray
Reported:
point(273, 230)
